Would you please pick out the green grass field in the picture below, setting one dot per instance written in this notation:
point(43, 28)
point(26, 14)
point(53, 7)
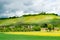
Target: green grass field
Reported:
point(26, 37)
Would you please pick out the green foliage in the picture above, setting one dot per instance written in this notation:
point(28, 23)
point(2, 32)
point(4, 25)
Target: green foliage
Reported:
point(36, 28)
point(13, 17)
point(44, 25)
point(50, 27)
point(26, 15)
point(55, 22)
point(42, 13)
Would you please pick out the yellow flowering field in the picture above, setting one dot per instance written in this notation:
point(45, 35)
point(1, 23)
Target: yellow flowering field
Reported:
point(35, 33)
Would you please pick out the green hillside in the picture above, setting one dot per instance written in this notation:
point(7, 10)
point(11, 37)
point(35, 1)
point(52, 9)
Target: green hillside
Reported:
point(29, 19)
point(30, 23)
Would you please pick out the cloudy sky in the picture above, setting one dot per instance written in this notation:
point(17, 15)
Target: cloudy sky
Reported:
point(19, 7)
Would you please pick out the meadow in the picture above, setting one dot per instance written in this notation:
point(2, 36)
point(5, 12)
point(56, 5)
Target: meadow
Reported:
point(24, 36)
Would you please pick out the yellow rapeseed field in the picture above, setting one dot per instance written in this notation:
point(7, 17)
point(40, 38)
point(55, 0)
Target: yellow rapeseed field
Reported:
point(35, 33)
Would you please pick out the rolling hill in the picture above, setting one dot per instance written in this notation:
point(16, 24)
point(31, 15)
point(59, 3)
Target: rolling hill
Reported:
point(30, 19)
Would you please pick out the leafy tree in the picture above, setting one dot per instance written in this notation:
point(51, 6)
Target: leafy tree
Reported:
point(42, 13)
point(13, 17)
point(44, 25)
point(50, 27)
point(36, 28)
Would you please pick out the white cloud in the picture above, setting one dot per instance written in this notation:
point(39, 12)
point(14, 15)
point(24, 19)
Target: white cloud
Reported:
point(17, 13)
point(18, 7)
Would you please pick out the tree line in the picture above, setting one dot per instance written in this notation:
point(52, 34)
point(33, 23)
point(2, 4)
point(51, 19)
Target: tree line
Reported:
point(42, 13)
point(18, 27)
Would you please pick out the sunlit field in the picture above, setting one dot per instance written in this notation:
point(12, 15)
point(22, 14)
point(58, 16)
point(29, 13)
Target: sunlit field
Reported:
point(35, 33)
point(30, 36)
point(27, 37)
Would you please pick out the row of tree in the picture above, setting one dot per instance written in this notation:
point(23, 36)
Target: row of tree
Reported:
point(26, 27)
point(42, 13)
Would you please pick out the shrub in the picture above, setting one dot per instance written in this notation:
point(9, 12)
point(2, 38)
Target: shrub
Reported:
point(36, 28)
point(50, 27)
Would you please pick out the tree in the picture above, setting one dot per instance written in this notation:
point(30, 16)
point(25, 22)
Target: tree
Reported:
point(50, 27)
point(36, 28)
point(13, 17)
point(44, 25)
point(42, 13)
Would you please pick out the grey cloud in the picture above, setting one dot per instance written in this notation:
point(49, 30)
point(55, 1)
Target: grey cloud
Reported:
point(14, 7)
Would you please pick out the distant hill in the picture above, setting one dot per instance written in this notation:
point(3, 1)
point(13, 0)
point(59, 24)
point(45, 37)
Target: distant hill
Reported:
point(31, 19)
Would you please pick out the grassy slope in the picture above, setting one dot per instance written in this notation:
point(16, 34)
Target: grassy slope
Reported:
point(25, 37)
point(10, 21)
point(29, 19)
point(38, 19)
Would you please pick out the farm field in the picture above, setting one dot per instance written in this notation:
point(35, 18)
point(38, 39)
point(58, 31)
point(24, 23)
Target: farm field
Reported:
point(29, 36)
point(35, 33)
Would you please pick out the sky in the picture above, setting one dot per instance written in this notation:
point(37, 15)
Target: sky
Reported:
point(9, 8)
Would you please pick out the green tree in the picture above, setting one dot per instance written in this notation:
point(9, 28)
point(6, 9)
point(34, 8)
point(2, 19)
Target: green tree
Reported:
point(42, 13)
point(50, 27)
point(36, 28)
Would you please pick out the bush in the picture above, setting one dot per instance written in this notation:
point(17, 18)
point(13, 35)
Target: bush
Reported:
point(44, 25)
point(50, 27)
point(36, 28)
